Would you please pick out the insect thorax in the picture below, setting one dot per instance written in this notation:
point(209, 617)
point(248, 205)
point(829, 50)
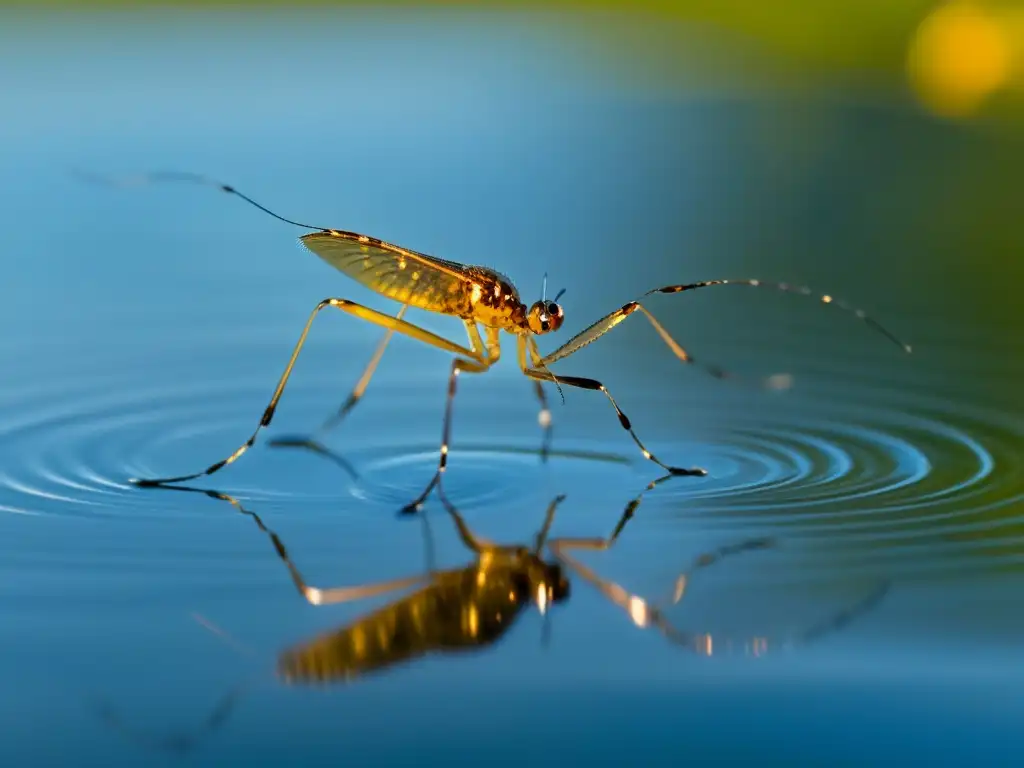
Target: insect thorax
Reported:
point(494, 300)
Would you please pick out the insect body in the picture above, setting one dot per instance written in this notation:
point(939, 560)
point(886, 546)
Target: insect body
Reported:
point(481, 298)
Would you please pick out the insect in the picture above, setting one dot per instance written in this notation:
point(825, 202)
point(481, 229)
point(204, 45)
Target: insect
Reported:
point(480, 297)
point(471, 607)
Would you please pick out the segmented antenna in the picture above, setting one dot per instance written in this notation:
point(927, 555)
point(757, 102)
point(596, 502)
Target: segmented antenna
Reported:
point(155, 177)
point(786, 287)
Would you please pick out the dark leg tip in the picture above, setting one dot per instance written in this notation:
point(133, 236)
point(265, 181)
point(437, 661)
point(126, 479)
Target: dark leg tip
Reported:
point(142, 483)
point(411, 509)
point(684, 472)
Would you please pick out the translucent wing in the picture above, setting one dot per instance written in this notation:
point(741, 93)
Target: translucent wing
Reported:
point(412, 278)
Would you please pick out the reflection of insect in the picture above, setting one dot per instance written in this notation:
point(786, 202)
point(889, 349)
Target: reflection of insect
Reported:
point(467, 608)
point(459, 609)
point(477, 295)
point(475, 605)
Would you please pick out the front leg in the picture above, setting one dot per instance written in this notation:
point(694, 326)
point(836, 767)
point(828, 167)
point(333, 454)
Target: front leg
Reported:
point(582, 383)
point(313, 595)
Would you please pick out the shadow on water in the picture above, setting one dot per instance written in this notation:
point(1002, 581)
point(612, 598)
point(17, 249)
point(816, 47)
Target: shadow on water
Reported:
point(466, 609)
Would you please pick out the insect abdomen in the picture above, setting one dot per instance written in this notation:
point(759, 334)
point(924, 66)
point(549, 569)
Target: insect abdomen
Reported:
point(454, 615)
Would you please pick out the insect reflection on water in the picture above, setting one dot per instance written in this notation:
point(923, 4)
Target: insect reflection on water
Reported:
point(480, 297)
point(471, 608)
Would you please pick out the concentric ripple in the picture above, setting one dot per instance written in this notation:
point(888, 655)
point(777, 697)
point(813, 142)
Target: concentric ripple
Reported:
point(72, 451)
point(895, 465)
point(889, 467)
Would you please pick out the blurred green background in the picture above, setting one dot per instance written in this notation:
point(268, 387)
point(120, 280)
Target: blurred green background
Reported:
point(964, 57)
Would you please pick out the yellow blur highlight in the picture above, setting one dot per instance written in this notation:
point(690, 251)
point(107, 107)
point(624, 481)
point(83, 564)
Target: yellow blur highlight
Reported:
point(963, 53)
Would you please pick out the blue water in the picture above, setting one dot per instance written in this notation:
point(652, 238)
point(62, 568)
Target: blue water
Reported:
point(147, 326)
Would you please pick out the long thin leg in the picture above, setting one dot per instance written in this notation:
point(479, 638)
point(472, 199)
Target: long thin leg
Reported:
point(642, 613)
point(312, 443)
point(544, 419)
point(560, 545)
point(314, 595)
point(476, 544)
point(760, 645)
point(844, 617)
point(710, 558)
point(544, 415)
point(318, 448)
point(180, 743)
point(582, 383)
point(364, 380)
point(609, 321)
point(545, 529)
point(537, 361)
point(538, 547)
point(364, 313)
point(429, 550)
point(481, 362)
point(458, 365)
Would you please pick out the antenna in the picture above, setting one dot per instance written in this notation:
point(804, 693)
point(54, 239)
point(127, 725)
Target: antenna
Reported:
point(154, 177)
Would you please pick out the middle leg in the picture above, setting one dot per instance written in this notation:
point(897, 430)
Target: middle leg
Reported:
point(544, 415)
point(544, 419)
point(482, 363)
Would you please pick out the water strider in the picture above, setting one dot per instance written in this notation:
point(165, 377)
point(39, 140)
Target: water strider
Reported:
point(480, 297)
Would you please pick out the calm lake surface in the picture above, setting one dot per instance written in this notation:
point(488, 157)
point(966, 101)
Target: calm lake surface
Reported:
point(146, 327)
